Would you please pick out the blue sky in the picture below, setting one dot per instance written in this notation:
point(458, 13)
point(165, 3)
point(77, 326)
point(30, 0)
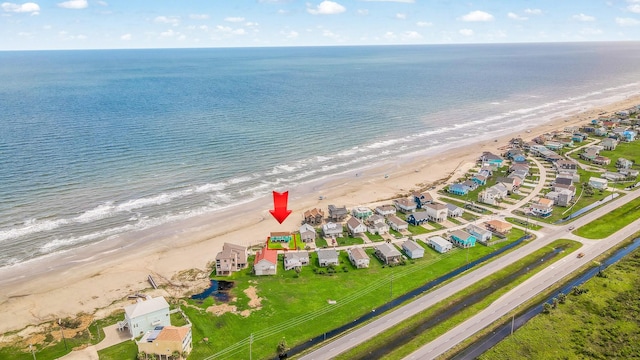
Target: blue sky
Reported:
point(91, 24)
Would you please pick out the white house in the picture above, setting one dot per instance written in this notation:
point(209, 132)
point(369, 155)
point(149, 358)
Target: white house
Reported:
point(145, 315)
point(294, 260)
point(405, 205)
point(386, 210)
point(358, 257)
point(598, 183)
point(440, 244)
point(327, 257)
point(437, 212)
point(481, 234)
point(454, 211)
point(397, 224)
point(412, 249)
point(356, 226)
point(266, 262)
point(307, 233)
point(332, 230)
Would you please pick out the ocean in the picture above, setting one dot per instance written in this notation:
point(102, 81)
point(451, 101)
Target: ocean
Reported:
point(97, 143)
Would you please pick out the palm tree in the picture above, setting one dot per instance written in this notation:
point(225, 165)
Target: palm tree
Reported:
point(142, 355)
point(176, 355)
point(282, 349)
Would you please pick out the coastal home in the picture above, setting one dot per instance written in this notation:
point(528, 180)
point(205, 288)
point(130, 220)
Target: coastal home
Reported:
point(164, 341)
point(501, 227)
point(440, 244)
point(436, 212)
point(231, 258)
point(629, 135)
point(508, 182)
point(613, 176)
point(463, 239)
point(480, 179)
point(481, 234)
point(356, 227)
point(422, 198)
point(553, 145)
point(563, 187)
point(609, 144)
point(266, 262)
point(519, 167)
point(313, 216)
point(540, 210)
point(280, 237)
point(295, 259)
point(361, 212)
point(405, 205)
point(327, 257)
point(566, 166)
point(489, 196)
point(491, 159)
point(545, 153)
point(563, 180)
point(332, 230)
point(458, 189)
point(454, 211)
point(601, 160)
point(629, 173)
point(145, 315)
point(600, 131)
point(386, 210)
point(418, 218)
point(598, 183)
point(358, 257)
point(397, 224)
point(470, 184)
point(518, 177)
point(388, 253)
point(412, 249)
point(376, 225)
point(589, 154)
point(337, 213)
point(623, 163)
point(562, 197)
point(307, 233)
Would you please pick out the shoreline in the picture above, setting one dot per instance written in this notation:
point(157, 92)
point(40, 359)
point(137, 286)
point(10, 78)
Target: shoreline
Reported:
point(101, 275)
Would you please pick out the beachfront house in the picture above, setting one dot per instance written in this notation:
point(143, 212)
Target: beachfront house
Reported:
point(481, 234)
point(462, 239)
point(454, 211)
point(280, 237)
point(397, 224)
point(145, 315)
point(501, 227)
point(295, 259)
point(458, 189)
point(358, 257)
point(491, 159)
point(418, 218)
point(598, 183)
point(356, 227)
point(388, 253)
point(376, 224)
point(266, 262)
point(412, 249)
point(623, 163)
point(327, 257)
point(422, 198)
point(164, 341)
point(405, 205)
point(629, 135)
point(307, 233)
point(313, 216)
point(480, 179)
point(440, 244)
point(332, 230)
point(436, 212)
point(337, 213)
point(361, 212)
point(386, 210)
point(470, 184)
point(231, 258)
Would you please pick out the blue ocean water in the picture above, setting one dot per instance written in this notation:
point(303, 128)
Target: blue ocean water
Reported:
point(96, 143)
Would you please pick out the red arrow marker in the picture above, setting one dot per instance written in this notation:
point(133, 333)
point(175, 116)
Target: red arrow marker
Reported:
point(280, 211)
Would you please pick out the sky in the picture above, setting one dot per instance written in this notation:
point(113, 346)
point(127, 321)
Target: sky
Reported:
point(109, 24)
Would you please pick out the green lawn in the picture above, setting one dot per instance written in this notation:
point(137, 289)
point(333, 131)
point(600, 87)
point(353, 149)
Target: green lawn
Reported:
point(600, 324)
point(374, 237)
point(417, 230)
point(462, 204)
point(468, 216)
point(611, 222)
point(348, 240)
point(629, 151)
point(404, 330)
point(127, 350)
point(321, 242)
point(296, 306)
point(519, 222)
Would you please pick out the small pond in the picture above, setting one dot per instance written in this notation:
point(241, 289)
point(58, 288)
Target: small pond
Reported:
point(219, 289)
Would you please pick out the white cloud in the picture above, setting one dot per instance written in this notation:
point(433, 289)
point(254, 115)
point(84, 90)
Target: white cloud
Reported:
point(29, 7)
point(172, 20)
point(362, 12)
point(424, 24)
point(533, 11)
point(330, 34)
point(515, 16)
point(229, 30)
point(251, 24)
point(477, 16)
point(411, 35)
point(282, 12)
point(401, 16)
point(234, 19)
point(327, 7)
point(466, 32)
point(389, 35)
point(583, 17)
point(591, 31)
point(199, 16)
point(168, 33)
point(397, 1)
point(125, 37)
point(635, 8)
point(627, 21)
point(290, 35)
point(74, 4)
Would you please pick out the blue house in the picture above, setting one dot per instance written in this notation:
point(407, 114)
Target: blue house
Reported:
point(576, 138)
point(520, 159)
point(458, 189)
point(422, 199)
point(418, 218)
point(479, 179)
point(463, 239)
point(629, 135)
point(491, 159)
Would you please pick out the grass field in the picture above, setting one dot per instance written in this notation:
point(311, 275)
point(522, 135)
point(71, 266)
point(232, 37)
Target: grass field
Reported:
point(603, 323)
point(296, 306)
point(519, 222)
point(611, 222)
point(127, 350)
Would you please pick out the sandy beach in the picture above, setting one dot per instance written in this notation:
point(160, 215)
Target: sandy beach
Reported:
point(98, 278)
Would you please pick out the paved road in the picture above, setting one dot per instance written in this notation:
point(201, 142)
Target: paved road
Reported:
point(547, 277)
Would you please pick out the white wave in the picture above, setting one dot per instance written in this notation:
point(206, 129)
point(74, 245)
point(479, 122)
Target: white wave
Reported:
point(97, 213)
point(210, 187)
point(239, 180)
point(152, 200)
point(31, 227)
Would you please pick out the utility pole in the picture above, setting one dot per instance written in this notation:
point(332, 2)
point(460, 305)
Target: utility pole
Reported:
point(513, 319)
point(250, 343)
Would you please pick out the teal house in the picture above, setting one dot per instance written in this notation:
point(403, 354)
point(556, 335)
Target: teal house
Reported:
point(463, 239)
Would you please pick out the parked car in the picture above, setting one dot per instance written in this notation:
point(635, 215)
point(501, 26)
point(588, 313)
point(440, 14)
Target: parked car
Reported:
point(580, 255)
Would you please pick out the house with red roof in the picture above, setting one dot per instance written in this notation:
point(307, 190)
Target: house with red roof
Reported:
point(266, 262)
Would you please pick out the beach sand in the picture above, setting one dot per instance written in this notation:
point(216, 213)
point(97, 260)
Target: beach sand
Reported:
point(99, 277)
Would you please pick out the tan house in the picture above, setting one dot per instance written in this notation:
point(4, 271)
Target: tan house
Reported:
point(405, 205)
point(498, 226)
point(313, 216)
point(397, 224)
point(358, 257)
point(307, 233)
point(231, 258)
point(436, 212)
point(166, 341)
